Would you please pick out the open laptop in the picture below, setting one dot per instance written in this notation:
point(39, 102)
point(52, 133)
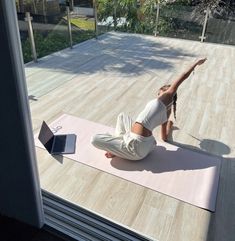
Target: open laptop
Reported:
point(57, 144)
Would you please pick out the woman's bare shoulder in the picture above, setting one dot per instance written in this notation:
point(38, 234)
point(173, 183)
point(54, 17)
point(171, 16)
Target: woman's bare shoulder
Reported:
point(165, 98)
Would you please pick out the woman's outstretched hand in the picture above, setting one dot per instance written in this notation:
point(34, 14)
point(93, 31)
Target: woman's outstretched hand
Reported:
point(201, 61)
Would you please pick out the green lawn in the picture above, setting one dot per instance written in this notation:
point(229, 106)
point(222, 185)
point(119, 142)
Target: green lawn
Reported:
point(83, 23)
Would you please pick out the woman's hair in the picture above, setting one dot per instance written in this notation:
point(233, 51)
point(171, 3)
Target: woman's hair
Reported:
point(174, 104)
point(164, 88)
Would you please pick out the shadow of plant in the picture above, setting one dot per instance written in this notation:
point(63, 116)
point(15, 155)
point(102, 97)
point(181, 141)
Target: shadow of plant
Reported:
point(205, 145)
point(123, 53)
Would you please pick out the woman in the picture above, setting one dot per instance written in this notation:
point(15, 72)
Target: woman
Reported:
point(134, 140)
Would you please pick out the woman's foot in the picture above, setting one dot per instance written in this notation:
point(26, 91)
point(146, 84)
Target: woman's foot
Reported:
point(109, 155)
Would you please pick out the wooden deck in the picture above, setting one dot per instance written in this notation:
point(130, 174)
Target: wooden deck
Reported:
point(120, 72)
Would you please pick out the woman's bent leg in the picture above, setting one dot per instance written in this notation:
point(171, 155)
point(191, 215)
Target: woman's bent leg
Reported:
point(112, 144)
point(123, 125)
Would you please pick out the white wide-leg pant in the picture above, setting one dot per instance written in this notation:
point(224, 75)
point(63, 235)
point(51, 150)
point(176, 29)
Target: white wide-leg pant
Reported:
point(124, 143)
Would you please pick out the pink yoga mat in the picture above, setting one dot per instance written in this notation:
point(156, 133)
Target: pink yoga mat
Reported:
point(186, 175)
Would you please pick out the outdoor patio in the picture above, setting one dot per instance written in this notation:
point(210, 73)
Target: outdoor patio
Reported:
point(98, 79)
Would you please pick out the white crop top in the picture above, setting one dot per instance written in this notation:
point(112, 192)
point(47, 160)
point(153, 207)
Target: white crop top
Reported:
point(153, 115)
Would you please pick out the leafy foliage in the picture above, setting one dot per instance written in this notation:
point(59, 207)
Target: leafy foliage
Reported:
point(140, 15)
point(218, 8)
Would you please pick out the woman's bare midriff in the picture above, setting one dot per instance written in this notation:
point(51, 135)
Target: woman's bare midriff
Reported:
point(139, 129)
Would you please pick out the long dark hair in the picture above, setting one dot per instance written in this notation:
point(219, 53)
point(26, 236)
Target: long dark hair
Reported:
point(174, 104)
point(164, 88)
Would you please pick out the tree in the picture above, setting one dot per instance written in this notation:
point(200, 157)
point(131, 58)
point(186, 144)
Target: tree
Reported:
point(218, 8)
point(131, 10)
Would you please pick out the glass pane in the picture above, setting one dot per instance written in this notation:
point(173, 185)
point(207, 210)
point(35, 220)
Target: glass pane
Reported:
point(221, 27)
point(180, 20)
point(82, 21)
point(105, 15)
point(177, 19)
point(50, 26)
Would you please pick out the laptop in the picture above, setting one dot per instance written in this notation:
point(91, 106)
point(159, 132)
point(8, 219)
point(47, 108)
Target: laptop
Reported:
point(57, 144)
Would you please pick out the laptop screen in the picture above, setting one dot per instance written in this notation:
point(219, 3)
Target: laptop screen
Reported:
point(46, 136)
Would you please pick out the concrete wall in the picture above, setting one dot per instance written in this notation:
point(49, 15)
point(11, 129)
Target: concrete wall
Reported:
point(84, 11)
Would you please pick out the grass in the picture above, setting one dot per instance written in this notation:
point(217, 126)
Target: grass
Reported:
point(83, 23)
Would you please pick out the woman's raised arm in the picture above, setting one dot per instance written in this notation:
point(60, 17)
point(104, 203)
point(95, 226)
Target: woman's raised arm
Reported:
point(177, 82)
